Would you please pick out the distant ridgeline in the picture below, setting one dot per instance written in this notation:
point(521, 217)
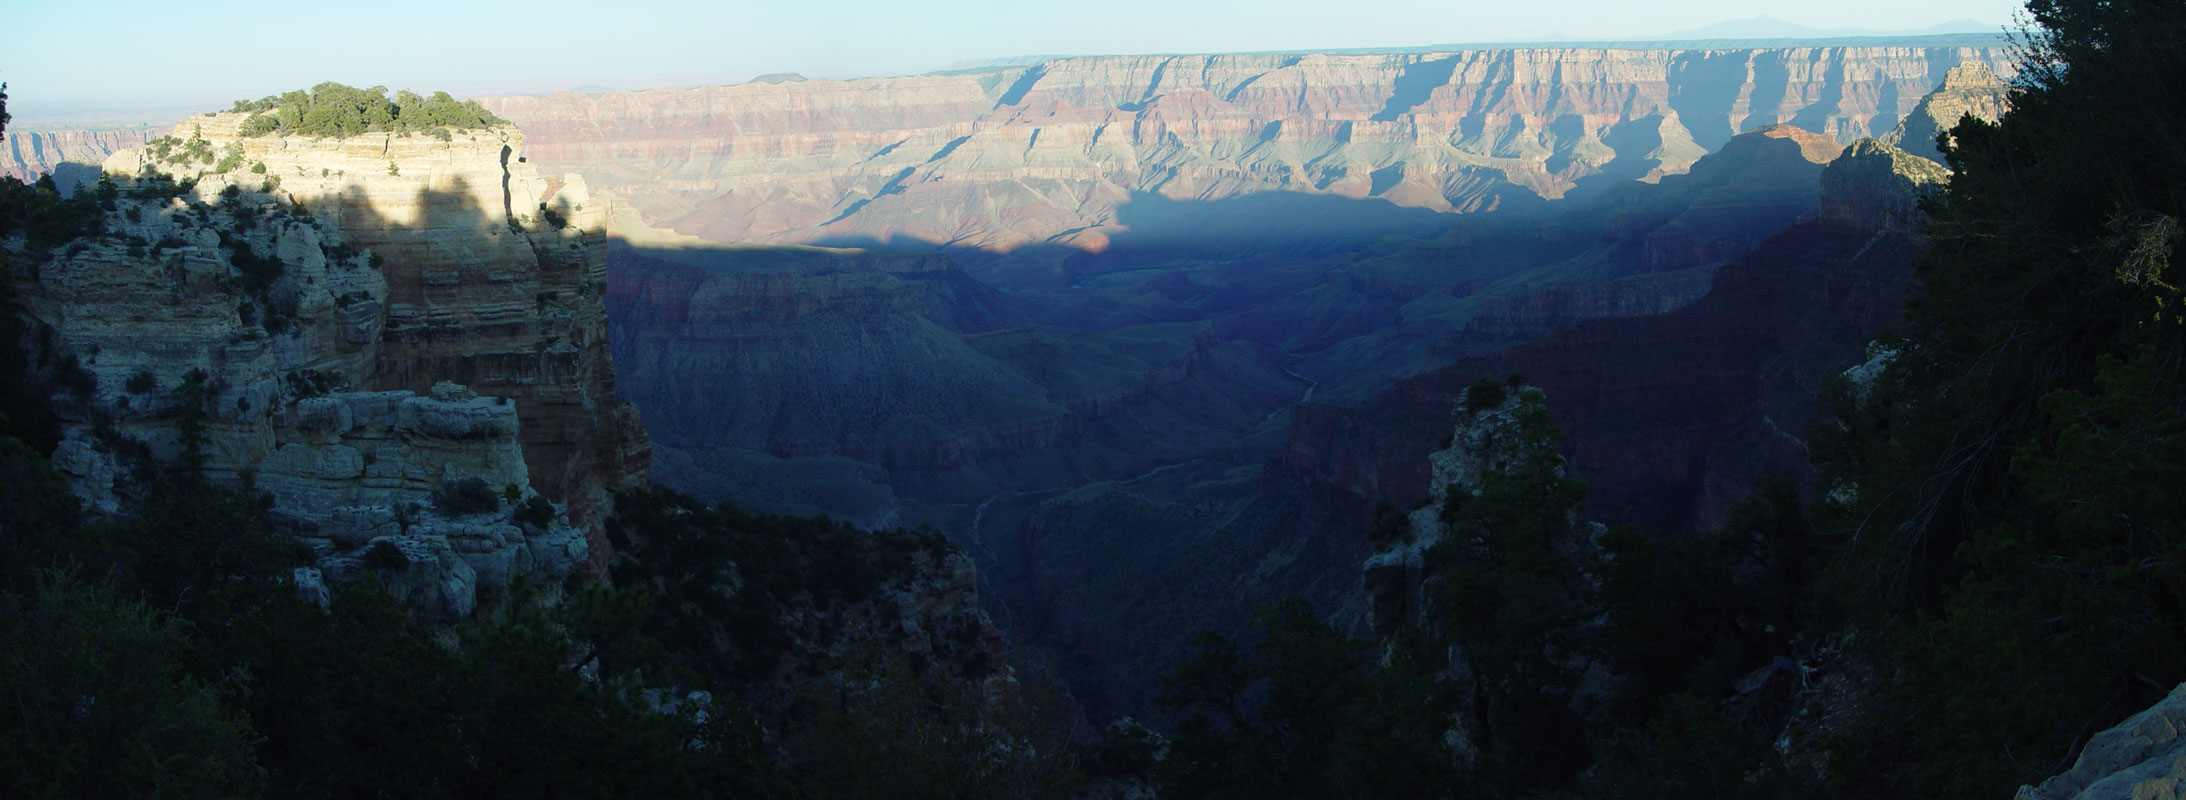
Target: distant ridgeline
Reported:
point(334, 110)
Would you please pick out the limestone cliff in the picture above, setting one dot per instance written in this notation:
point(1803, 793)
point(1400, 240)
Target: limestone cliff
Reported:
point(278, 313)
point(494, 279)
point(1967, 90)
point(1083, 152)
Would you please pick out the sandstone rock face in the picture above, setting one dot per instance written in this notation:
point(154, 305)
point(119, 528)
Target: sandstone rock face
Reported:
point(375, 334)
point(1073, 152)
point(493, 273)
point(2142, 758)
point(25, 155)
point(1968, 90)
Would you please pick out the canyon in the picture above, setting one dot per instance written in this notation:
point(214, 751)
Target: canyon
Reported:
point(1151, 336)
point(1098, 154)
point(1148, 336)
point(67, 155)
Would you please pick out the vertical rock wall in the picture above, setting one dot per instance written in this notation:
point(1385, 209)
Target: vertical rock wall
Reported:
point(494, 276)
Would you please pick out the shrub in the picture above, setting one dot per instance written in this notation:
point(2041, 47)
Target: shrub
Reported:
point(536, 512)
point(385, 555)
point(332, 109)
point(231, 158)
point(144, 382)
point(1486, 393)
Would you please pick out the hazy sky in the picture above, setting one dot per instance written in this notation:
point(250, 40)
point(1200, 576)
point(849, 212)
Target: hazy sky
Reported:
point(59, 57)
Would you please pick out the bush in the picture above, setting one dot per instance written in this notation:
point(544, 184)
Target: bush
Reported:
point(144, 382)
point(1486, 393)
point(385, 555)
point(338, 111)
point(536, 512)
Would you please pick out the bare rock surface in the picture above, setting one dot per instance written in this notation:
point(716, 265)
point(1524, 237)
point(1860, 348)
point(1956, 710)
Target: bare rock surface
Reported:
point(398, 341)
point(1081, 152)
point(2142, 758)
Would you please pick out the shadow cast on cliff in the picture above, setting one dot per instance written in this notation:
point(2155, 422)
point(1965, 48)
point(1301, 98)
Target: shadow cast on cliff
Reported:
point(488, 292)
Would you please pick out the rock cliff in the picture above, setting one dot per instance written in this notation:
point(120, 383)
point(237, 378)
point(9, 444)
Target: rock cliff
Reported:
point(1968, 90)
point(494, 273)
point(1080, 152)
point(316, 320)
point(25, 155)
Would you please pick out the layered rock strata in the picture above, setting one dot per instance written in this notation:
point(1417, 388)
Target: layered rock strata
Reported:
point(25, 155)
point(314, 323)
point(1075, 151)
point(494, 278)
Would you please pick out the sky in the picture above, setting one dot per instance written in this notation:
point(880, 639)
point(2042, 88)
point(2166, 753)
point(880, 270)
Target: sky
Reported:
point(74, 57)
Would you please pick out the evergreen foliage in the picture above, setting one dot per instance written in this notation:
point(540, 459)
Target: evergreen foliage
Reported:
point(2007, 494)
point(332, 110)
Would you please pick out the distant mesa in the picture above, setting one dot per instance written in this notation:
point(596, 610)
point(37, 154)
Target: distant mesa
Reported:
point(1066, 156)
point(780, 77)
point(1773, 28)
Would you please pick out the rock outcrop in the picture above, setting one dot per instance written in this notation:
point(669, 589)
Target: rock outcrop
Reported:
point(315, 321)
point(2142, 758)
point(1090, 153)
point(494, 275)
point(1483, 441)
point(1968, 90)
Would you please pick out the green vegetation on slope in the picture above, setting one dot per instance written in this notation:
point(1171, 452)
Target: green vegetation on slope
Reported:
point(1497, 688)
point(333, 110)
point(2009, 491)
